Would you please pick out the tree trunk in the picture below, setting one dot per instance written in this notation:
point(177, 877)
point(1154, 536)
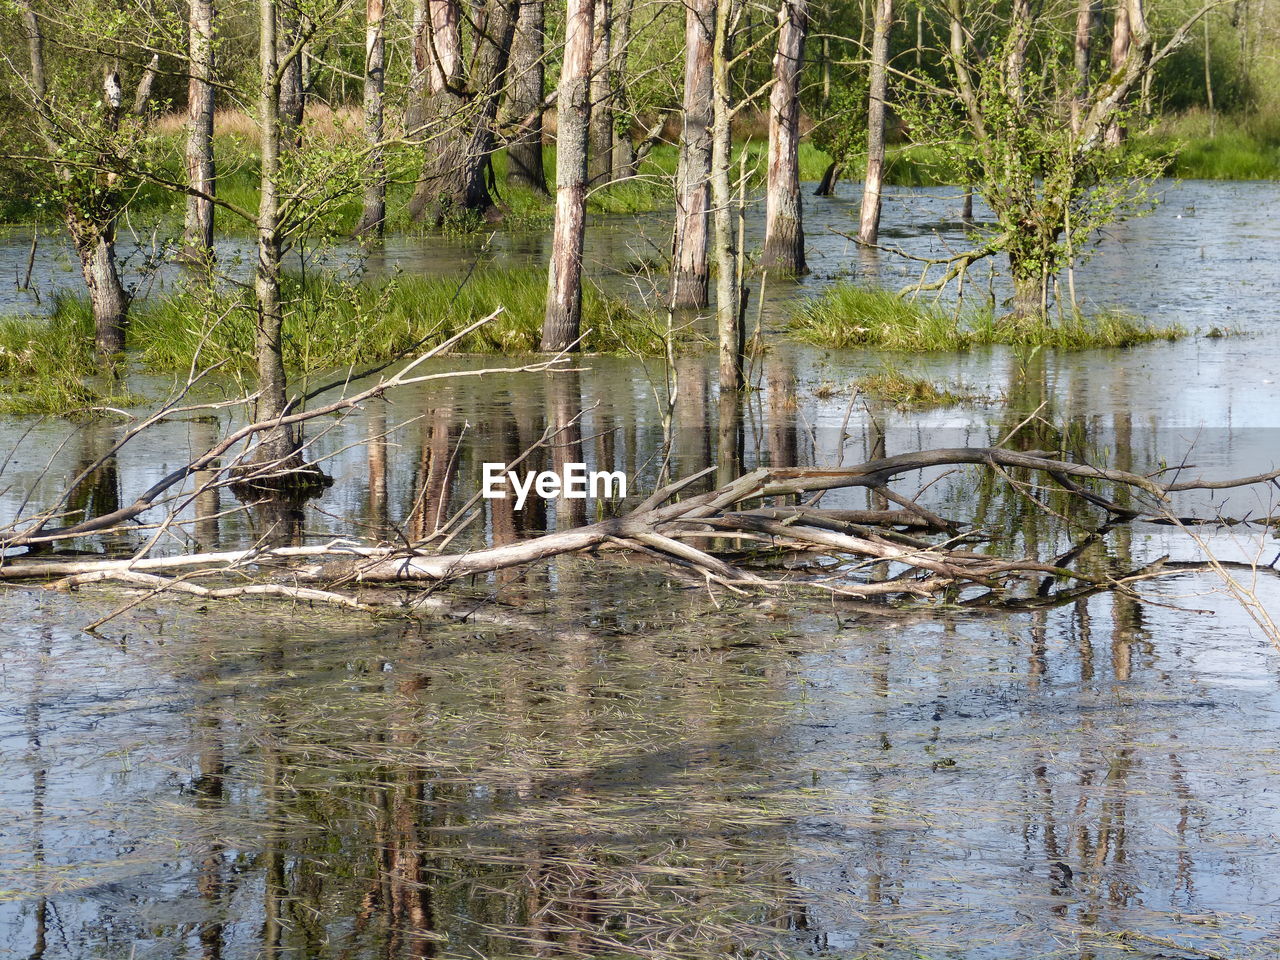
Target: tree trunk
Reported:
point(1028, 290)
point(1082, 59)
point(869, 229)
point(600, 137)
point(624, 150)
point(726, 253)
point(524, 97)
point(827, 185)
point(689, 249)
point(95, 245)
point(1208, 82)
point(461, 113)
point(1121, 37)
point(784, 224)
point(293, 96)
point(373, 217)
point(563, 317)
point(197, 234)
point(278, 445)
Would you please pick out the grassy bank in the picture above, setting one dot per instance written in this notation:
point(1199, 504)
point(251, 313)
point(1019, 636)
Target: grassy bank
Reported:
point(49, 367)
point(1238, 148)
point(847, 316)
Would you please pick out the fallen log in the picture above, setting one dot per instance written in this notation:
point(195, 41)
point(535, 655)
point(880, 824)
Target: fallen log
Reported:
point(866, 552)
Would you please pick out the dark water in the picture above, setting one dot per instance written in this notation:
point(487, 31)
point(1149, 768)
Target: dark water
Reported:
point(607, 763)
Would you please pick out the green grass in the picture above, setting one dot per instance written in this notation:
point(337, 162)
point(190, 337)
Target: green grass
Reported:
point(892, 385)
point(847, 316)
point(330, 324)
point(48, 366)
point(1244, 147)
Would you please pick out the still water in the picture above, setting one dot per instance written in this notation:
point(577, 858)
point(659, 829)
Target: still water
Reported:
point(607, 763)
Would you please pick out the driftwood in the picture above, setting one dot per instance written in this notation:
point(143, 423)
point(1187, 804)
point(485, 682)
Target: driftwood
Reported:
point(726, 538)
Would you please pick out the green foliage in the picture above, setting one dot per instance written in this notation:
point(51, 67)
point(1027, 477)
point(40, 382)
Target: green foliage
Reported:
point(1241, 148)
point(848, 316)
point(1050, 187)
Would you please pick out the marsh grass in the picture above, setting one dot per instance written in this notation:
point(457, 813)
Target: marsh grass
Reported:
point(850, 316)
point(906, 391)
point(1244, 147)
point(331, 323)
point(48, 366)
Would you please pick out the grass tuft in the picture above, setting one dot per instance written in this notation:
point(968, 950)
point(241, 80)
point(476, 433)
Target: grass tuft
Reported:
point(48, 365)
point(849, 316)
point(899, 388)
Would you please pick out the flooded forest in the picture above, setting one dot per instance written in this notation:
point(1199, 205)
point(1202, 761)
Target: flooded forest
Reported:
point(639, 479)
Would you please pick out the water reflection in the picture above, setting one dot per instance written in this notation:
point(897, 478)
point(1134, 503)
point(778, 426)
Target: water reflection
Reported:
point(652, 784)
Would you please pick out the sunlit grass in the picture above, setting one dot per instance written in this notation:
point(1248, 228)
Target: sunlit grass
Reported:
point(47, 365)
point(850, 316)
point(906, 391)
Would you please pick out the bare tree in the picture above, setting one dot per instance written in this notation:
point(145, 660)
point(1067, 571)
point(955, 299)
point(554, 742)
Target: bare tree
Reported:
point(869, 226)
point(524, 97)
point(689, 277)
point(374, 215)
point(563, 319)
point(784, 225)
point(197, 236)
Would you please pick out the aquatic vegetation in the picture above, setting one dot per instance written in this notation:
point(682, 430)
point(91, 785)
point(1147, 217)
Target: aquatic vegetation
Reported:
point(49, 366)
point(902, 389)
point(846, 315)
point(331, 323)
